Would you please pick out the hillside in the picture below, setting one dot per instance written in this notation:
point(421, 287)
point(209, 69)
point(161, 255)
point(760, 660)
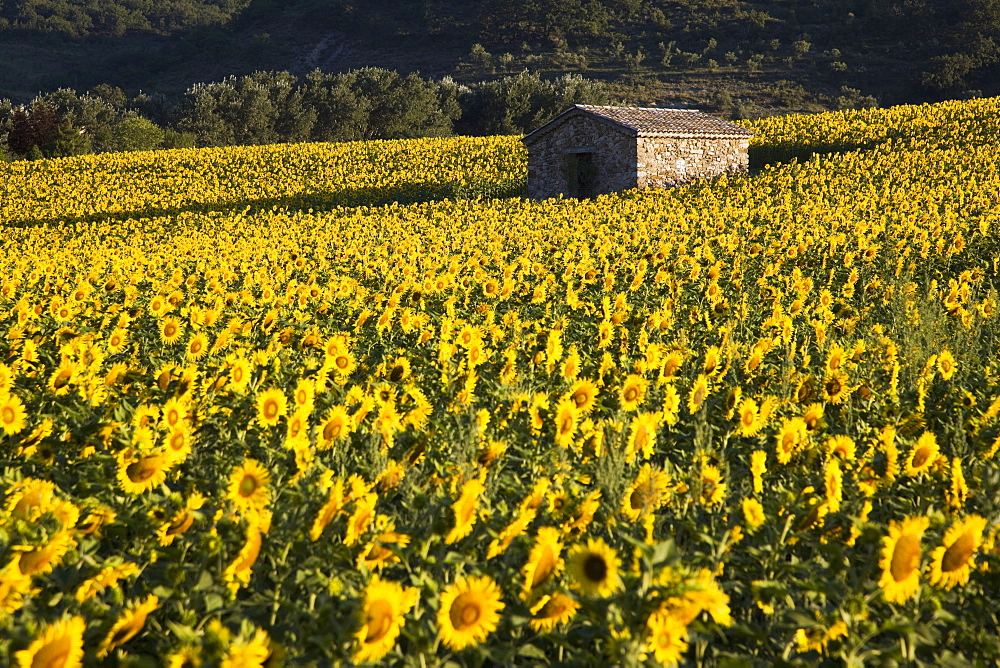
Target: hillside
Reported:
point(739, 58)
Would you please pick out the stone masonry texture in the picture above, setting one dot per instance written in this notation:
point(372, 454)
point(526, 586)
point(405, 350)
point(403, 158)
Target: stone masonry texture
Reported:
point(625, 159)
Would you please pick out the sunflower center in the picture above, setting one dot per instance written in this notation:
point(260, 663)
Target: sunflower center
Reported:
point(248, 486)
point(396, 374)
point(920, 457)
point(905, 557)
point(61, 380)
point(54, 654)
point(237, 374)
point(747, 418)
point(332, 430)
point(566, 426)
point(595, 568)
point(959, 553)
point(639, 497)
point(579, 398)
point(270, 409)
point(631, 394)
point(33, 561)
point(143, 470)
point(342, 362)
point(465, 612)
point(180, 524)
point(379, 615)
point(832, 387)
point(122, 634)
point(7, 415)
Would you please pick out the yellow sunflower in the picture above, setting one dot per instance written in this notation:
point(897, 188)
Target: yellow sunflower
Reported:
point(633, 391)
point(750, 418)
point(923, 456)
point(271, 405)
point(117, 340)
point(953, 559)
point(248, 488)
point(171, 330)
point(469, 611)
point(583, 393)
point(362, 519)
point(12, 413)
point(381, 617)
point(140, 472)
point(753, 513)
point(250, 652)
point(175, 410)
point(566, 415)
point(713, 485)
point(128, 625)
point(331, 508)
point(900, 561)
point(239, 374)
point(667, 637)
point(465, 510)
point(63, 377)
point(398, 370)
point(239, 569)
point(197, 347)
point(699, 392)
point(813, 416)
point(178, 444)
point(758, 467)
point(946, 364)
point(647, 493)
point(836, 387)
point(41, 559)
point(596, 568)
point(336, 426)
point(642, 436)
point(544, 561)
point(550, 611)
point(58, 645)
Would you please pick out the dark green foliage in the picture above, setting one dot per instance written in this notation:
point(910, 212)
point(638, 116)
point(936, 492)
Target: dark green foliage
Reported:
point(136, 133)
point(273, 107)
point(520, 103)
point(115, 17)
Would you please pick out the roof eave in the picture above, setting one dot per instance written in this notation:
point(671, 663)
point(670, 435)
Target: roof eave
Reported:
point(535, 134)
point(695, 135)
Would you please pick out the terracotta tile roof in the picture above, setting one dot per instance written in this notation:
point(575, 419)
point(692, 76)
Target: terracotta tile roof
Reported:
point(657, 122)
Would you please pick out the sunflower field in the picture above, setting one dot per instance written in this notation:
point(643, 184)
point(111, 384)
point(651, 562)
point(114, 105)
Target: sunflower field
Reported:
point(347, 404)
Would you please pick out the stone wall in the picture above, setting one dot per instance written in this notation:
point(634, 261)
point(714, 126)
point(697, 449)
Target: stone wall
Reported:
point(614, 157)
point(666, 162)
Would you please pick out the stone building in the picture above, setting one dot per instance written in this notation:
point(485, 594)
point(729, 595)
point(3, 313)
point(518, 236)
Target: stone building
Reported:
point(588, 150)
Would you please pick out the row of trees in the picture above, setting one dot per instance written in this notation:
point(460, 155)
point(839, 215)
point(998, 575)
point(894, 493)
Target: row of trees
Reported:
point(79, 18)
point(272, 107)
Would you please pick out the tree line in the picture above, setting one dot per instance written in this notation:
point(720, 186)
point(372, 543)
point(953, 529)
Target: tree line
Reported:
point(274, 107)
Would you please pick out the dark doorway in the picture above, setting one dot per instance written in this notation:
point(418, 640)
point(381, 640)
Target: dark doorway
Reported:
point(582, 174)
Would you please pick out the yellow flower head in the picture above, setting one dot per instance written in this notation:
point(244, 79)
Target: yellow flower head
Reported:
point(469, 611)
point(271, 405)
point(58, 645)
point(952, 561)
point(595, 568)
point(900, 561)
point(381, 618)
